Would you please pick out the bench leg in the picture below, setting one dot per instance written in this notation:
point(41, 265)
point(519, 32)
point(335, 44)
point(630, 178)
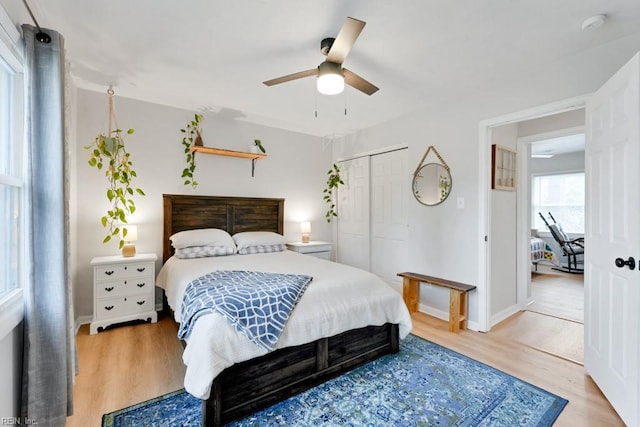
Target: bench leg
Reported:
point(457, 310)
point(411, 293)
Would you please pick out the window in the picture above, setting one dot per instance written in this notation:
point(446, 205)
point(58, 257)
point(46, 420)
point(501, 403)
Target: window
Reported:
point(563, 196)
point(11, 176)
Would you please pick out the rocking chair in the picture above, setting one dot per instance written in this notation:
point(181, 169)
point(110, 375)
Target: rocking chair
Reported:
point(570, 248)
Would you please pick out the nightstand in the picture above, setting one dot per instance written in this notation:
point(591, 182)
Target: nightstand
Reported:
point(314, 248)
point(123, 290)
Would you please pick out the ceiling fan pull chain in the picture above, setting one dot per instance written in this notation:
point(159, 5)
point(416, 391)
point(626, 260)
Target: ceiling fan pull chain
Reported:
point(345, 103)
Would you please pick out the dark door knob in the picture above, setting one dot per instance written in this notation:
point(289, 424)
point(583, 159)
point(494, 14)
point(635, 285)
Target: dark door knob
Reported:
point(630, 262)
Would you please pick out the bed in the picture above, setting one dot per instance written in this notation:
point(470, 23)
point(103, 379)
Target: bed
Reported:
point(334, 327)
point(541, 251)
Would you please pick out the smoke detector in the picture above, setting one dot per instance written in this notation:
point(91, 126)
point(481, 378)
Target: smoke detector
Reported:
point(593, 22)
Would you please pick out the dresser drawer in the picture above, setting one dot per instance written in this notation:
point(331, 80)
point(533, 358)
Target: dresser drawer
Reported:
point(117, 271)
point(127, 286)
point(122, 306)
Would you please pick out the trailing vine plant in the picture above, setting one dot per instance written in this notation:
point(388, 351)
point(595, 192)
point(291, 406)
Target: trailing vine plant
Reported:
point(108, 151)
point(333, 182)
point(191, 137)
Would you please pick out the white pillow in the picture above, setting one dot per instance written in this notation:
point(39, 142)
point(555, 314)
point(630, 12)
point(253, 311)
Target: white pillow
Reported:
point(257, 238)
point(203, 237)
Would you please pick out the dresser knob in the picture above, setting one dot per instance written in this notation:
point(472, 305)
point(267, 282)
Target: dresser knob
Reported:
point(108, 273)
point(141, 269)
point(109, 289)
point(140, 285)
point(108, 307)
point(140, 302)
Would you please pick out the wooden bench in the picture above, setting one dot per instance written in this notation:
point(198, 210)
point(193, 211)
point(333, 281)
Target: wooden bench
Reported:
point(457, 297)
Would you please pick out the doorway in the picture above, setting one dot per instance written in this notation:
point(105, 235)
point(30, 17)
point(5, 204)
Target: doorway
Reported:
point(550, 152)
point(553, 192)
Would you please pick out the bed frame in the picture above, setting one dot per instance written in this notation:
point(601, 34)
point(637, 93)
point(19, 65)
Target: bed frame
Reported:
point(246, 387)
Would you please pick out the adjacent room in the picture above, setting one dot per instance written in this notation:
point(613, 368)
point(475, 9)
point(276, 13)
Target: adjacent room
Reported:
point(336, 213)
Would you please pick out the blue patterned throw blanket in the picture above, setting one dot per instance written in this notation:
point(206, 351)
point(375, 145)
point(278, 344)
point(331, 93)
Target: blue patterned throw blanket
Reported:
point(257, 304)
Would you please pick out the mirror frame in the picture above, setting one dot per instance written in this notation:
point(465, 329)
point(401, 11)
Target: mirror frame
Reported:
point(415, 177)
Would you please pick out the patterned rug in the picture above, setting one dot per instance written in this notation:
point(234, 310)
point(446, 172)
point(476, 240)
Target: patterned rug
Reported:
point(424, 384)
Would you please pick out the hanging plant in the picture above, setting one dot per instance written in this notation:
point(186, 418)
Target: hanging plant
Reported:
point(191, 137)
point(333, 182)
point(108, 151)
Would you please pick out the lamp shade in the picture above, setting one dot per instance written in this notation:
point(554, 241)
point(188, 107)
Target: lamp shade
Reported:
point(330, 78)
point(305, 230)
point(132, 233)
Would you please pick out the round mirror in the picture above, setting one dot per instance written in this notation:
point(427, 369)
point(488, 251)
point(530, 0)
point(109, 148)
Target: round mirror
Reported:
point(432, 184)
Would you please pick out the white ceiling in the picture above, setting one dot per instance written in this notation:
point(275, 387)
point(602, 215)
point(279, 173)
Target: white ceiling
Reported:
point(560, 145)
point(206, 55)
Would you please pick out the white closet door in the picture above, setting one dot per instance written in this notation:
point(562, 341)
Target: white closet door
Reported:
point(353, 213)
point(390, 188)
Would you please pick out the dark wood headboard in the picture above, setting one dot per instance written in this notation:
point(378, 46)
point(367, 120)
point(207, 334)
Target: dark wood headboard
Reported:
point(233, 214)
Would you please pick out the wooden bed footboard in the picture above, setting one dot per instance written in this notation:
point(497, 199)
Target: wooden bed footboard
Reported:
point(247, 387)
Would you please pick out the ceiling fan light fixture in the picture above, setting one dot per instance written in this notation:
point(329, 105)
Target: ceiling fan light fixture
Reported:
point(330, 78)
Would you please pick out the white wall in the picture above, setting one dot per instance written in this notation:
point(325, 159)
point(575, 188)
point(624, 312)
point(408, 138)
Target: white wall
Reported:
point(503, 256)
point(11, 373)
point(295, 169)
point(443, 240)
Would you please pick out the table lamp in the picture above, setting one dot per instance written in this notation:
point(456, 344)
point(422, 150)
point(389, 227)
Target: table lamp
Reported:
point(129, 249)
point(305, 229)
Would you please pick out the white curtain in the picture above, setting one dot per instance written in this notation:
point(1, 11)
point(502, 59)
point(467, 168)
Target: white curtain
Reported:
point(49, 346)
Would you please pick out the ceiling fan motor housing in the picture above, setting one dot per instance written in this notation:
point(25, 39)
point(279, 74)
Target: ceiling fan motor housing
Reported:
point(325, 45)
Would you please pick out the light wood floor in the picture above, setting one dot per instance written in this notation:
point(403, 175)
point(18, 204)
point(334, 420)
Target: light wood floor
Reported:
point(554, 323)
point(123, 366)
point(130, 364)
point(557, 294)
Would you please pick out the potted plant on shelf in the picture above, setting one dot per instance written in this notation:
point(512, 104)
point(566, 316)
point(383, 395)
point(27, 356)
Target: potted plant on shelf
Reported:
point(333, 182)
point(257, 147)
point(108, 151)
point(191, 136)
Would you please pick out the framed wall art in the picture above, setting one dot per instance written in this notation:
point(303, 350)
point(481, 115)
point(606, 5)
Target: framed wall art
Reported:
point(503, 168)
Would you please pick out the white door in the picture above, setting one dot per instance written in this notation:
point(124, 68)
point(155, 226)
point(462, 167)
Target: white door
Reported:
point(612, 299)
point(389, 189)
point(353, 213)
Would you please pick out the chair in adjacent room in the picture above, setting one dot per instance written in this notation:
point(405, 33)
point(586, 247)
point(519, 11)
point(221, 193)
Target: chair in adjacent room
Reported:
point(571, 248)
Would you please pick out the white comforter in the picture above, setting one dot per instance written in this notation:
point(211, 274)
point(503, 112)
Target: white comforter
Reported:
point(338, 299)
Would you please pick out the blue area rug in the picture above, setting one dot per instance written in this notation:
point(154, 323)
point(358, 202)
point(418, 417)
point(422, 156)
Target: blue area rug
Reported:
point(424, 384)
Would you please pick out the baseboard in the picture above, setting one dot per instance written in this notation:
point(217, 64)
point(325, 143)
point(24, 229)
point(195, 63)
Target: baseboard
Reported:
point(82, 320)
point(444, 315)
point(500, 316)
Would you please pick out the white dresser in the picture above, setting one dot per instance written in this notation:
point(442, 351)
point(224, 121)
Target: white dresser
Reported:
point(123, 290)
point(314, 248)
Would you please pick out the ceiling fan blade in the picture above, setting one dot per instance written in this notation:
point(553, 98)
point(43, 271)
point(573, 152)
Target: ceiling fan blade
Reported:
point(344, 41)
point(294, 76)
point(357, 82)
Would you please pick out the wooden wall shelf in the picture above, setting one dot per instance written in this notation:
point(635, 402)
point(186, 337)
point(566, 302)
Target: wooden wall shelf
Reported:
point(230, 153)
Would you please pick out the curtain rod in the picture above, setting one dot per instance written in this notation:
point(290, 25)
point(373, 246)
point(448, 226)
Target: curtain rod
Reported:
point(41, 36)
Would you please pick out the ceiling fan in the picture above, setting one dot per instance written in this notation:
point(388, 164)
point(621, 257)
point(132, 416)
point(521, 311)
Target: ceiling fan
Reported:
point(331, 76)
